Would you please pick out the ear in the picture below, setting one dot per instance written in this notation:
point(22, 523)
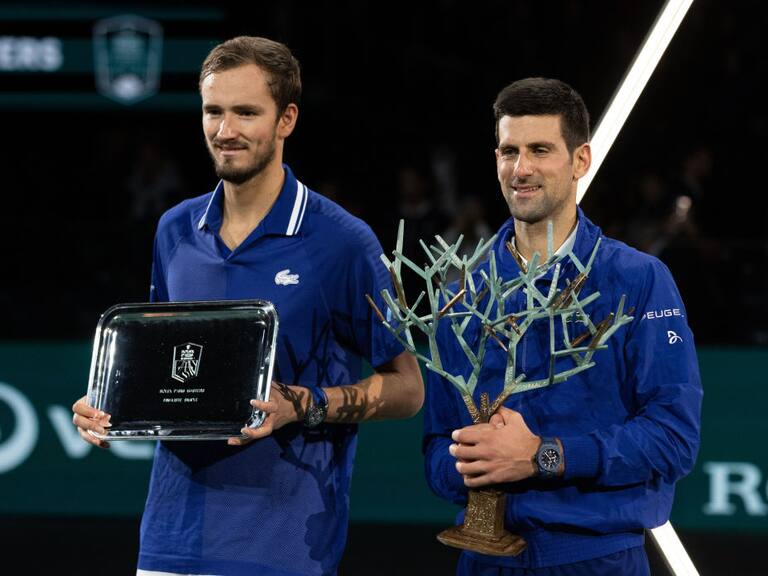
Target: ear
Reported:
point(287, 121)
point(582, 159)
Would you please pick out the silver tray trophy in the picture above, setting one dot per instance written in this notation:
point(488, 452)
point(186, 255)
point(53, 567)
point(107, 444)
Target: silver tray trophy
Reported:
point(182, 370)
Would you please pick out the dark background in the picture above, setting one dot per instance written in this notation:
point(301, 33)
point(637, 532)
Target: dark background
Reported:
point(396, 122)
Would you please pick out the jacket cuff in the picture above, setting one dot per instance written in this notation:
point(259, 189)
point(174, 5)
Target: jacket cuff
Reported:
point(582, 457)
point(454, 482)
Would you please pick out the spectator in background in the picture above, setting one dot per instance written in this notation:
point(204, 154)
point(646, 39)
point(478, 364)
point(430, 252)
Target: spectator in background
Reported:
point(692, 181)
point(647, 223)
point(153, 182)
point(470, 222)
point(423, 219)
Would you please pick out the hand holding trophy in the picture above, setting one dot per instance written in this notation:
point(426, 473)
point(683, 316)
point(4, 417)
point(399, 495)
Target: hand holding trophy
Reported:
point(478, 311)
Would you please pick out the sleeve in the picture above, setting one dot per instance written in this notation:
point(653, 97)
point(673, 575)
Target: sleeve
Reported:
point(442, 415)
point(158, 290)
point(661, 438)
point(355, 322)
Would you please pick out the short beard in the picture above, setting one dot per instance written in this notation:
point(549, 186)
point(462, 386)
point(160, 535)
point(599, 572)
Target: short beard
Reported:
point(242, 175)
point(533, 214)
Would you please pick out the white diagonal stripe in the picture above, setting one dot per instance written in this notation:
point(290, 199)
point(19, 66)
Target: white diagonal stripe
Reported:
point(296, 208)
point(633, 83)
point(303, 209)
point(204, 217)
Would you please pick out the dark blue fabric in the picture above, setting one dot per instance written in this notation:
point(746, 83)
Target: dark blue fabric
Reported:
point(629, 425)
point(631, 562)
point(278, 506)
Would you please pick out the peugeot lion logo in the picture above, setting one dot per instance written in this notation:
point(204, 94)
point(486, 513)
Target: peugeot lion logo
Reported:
point(186, 361)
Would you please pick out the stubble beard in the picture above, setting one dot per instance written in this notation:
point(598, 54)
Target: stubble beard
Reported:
point(536, 210)
point(548, 204)
point(258, 163)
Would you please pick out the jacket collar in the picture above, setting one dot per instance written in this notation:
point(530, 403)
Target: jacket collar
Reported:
point(586, 237)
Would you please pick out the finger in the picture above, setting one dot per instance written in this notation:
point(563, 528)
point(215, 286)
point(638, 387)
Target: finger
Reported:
point(509, 416)
point(91, 439)
point(238, 441)
point(471, 434)
point(269, 407)
point(467, 452)
point(496, 420)
point(504, 411)
point(80, 407)
point(261, 432)
point(478, 481)
point(473, 468)
point(90, 424)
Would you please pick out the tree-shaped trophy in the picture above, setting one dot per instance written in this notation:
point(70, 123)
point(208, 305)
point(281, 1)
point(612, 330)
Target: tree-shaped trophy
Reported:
point(484, 297)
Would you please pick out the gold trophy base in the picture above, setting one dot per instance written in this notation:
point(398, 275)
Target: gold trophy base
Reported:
point(507, 545)
point(483, 529)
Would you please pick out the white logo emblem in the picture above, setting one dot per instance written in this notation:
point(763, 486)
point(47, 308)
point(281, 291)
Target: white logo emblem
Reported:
point(128, 56)
point(186, 361)
point(673, 337)
point(284, 278)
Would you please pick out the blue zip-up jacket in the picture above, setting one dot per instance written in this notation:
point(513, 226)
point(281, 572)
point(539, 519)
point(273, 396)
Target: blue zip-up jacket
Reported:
point(629, 425)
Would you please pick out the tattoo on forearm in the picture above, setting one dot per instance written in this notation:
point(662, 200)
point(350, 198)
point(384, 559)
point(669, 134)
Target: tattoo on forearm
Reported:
point(292, 397)
point(355, 406)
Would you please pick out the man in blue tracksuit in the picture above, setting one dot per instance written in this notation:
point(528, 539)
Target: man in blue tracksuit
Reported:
point(617, 436)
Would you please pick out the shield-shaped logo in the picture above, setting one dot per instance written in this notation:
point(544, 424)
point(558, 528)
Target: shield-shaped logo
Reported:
point(128, 54)
point(186, 361)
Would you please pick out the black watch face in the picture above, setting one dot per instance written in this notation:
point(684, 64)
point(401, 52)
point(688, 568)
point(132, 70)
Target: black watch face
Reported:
point(549, 459)
point(315, 415)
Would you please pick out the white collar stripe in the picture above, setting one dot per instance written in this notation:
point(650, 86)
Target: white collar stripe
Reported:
point(303, 208)
point(290, 231)
point(201, 223)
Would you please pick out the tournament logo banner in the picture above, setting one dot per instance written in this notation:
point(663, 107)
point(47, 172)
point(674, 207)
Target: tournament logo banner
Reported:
point(128, 57)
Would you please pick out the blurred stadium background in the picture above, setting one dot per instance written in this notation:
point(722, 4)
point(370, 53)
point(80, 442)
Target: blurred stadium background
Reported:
point(395, 122)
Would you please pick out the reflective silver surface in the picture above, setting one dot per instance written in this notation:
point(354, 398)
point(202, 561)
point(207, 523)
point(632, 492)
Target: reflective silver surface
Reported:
point(182, 370)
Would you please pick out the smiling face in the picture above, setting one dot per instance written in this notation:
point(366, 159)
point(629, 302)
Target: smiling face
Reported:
point(242, 127)
point(537, 173)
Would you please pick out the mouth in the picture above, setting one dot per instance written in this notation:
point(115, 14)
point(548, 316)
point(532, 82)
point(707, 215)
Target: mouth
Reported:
point(525, 190)
point(228, 151)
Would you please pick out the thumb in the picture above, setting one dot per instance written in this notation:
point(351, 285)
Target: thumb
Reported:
point(504, 415)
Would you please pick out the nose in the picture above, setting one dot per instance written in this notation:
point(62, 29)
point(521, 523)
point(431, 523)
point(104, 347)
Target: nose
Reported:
point(523, 166)
point(226, 129)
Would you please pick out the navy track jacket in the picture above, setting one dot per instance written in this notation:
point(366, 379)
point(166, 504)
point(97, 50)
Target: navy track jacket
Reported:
point(629, 425)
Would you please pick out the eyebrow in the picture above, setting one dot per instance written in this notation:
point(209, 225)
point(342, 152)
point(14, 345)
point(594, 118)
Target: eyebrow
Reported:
point(237, 108)
point(529, 145)
point(247, 108)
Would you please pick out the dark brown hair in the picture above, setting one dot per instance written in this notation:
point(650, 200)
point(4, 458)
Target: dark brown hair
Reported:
point(545, 96)
point(282, 68)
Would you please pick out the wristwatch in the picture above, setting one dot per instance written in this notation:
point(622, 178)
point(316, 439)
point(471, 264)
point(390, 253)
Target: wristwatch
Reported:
point(548, 458)
point(318, 407)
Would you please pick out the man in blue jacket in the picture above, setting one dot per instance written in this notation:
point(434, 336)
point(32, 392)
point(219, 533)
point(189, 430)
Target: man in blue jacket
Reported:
point(617, 436)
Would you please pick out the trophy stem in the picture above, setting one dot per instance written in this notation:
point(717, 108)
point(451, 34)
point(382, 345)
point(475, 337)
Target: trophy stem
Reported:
point(483, 529)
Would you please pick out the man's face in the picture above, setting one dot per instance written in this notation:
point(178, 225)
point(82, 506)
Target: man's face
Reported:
point(537, 174)
point(240, 122)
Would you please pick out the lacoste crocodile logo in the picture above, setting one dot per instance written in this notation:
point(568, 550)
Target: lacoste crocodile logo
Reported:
point(285, 278)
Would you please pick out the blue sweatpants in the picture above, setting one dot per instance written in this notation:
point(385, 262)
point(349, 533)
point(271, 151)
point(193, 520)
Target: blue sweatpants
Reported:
point(631, 562)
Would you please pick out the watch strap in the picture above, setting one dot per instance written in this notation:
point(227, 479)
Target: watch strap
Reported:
point(318, 407)
point(544, 468)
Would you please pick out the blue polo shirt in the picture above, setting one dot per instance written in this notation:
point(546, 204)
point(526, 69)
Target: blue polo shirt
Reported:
point(278, 506)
